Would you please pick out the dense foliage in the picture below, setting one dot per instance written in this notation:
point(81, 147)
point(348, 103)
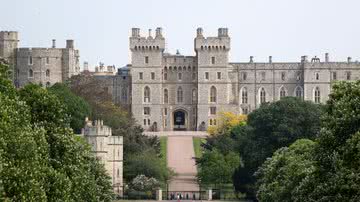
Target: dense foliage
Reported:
point(41, 158)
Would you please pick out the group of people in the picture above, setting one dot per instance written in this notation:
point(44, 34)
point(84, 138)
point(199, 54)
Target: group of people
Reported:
point(179, 196)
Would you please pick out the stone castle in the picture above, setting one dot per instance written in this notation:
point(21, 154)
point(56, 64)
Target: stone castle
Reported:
point(108, 149)
point(175, 92)
point(45, 66)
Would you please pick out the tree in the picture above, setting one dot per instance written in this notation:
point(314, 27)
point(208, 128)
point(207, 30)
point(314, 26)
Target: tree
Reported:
point(280, 175)
point(76, 106)
point(226, 121)
point(216, 168)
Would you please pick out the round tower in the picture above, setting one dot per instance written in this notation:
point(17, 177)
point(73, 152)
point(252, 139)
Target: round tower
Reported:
point(8, 45)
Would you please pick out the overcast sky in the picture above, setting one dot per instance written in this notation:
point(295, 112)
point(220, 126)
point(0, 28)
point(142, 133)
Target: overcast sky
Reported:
point(285, 29)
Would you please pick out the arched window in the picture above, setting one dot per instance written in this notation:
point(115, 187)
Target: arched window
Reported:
point(213, 94)
point(262, 96)
point(31, 73)
point(317, 95)
point(124, 95)
point(194, 96)
point(244, 96)
point(298, 92)
point(147, 94)
point(47, 73)
point(317, 77)
point(282, 92)
point(179, 95)
point(166, 96)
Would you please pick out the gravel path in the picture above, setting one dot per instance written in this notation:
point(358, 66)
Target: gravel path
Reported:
point(180, 158)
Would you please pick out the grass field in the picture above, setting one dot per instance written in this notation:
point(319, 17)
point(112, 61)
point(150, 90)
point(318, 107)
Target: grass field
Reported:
point(197, 141)
point(163, 150)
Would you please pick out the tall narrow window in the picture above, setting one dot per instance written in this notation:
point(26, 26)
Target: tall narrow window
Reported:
point(146, 59)
point(298, 76)
point(166, 96)
point(194, 76)
point(263, 75)
point(298, 92)
point(218, 75)
point(152, 75)
point(30, 60)
point(179, 76)
point(146, 94)
point(283, 76)
point(146, 110)
point(124, 95)
point(317, 76)
point(47, 73)
point(213, 94)
point(165, 76)
point(212, 110)
point(348, 75)
point(31, 73)
point(47, 60)
point(213, 60)
point(244, 76)
point(334, 76)
point(207, 75)
point(262, 96)
point(194, 96)
point(317, 95)
point(244, 96)
point(179, 95)
point(141, 76)
point(282, 92)
point(165, 111)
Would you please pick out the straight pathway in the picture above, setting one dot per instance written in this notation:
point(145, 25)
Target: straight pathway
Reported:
point(180, 158)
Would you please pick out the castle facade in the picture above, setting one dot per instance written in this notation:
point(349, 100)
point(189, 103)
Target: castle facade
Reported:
point(175, 92)
point(44, 66)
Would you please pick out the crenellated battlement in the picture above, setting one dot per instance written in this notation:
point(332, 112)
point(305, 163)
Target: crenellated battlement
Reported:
point(96, 129)
point(9, 35)
point(149, 43)
point(219, 43)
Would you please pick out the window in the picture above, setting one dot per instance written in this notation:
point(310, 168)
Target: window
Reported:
point(146, 110)
point(213, 60)
point(30, 60)
point(263, 76)
point(245, 110)
point(144, 122)
point(298, 76)
point(152, 75)
point(194, 96)
point(282, 92)
point(212, 110)
point(244, 96)
point(165, 76)
point(124, 95)
point(283, 76)
point(31, 73)
point(47, 73)
point(194, 76)
point(140, 75)
point(298, 92)
point(146, 59)
point(179, 95)
point(212, 122)
point(47, 60)
point(219, 75)
point(334, 76)
point(262, 96)
point(348, 75)
point(165, 111)
point(179, 76)
point(244, 76)
point(317, 95)
point(317, 76)
point(146, 94)
point(166, 96)
point(207, 75)
point(213, 94)
point(149, 122)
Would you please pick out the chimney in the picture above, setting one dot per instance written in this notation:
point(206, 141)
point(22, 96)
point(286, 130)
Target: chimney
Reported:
point(270, 59)
point(251, 59)
point(158, 32)
point(135, 32)
point(326, 57)
point(53, 43)
point(199, 32)
point(349, 59)
point(69, 43)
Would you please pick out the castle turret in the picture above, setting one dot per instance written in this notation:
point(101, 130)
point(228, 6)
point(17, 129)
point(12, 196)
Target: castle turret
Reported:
point(8, 45)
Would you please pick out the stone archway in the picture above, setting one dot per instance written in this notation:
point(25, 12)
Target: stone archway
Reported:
point(180, 120)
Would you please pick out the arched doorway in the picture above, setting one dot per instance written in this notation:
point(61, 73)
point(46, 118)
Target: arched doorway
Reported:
point(180, 120)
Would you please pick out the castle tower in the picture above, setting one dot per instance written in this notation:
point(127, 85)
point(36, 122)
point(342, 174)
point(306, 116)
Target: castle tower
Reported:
point(8, 45)
point(146, 71)
point(213, 86)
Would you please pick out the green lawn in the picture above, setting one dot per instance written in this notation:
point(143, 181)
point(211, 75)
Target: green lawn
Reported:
point(163, 150)
point(197, 141)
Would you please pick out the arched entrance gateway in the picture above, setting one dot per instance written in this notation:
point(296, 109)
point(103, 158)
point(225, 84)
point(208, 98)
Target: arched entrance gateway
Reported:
point(180, 121)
